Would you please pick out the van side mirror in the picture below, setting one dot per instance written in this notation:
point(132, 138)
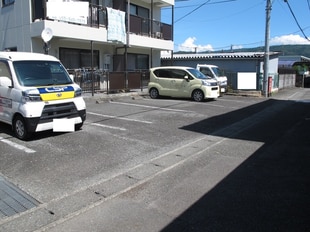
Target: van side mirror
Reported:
point(186, 78)
point(5, 82)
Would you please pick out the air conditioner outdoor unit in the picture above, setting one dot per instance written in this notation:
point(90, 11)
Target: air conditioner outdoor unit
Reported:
point(158, 34)
point(107, 59)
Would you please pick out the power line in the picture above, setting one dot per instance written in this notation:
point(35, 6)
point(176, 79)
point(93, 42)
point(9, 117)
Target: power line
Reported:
point(199, 6)
point(211, 3)
point(233, 14)
point(259, 43)
point(302, 31)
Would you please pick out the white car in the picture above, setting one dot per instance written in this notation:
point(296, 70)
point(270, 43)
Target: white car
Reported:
point(215, 72)
point(37, 94)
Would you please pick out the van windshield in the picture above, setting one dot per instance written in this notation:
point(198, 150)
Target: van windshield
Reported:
point(41, 73)
point(217, 71)
point(198, 74)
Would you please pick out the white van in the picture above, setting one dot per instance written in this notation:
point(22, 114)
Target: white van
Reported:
point(37, 94)
point(182, 82)
point(214, 72)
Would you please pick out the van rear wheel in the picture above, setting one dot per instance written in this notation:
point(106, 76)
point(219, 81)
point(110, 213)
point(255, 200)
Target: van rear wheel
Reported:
point(198, 95)
point(20, 128)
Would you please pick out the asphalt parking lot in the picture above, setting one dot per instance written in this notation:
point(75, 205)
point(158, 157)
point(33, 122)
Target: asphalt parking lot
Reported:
point(234, 164)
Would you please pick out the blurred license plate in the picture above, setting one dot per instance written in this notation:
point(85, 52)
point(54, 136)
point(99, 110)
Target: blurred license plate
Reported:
point(63, 125)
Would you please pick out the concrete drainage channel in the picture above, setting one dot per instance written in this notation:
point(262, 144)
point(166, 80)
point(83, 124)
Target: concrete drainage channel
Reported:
point(49, 215)
point(13, 200)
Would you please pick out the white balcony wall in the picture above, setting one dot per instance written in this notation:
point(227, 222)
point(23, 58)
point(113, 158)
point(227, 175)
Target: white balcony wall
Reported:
point(69, 31)
point(14, 25)
point(148, 42)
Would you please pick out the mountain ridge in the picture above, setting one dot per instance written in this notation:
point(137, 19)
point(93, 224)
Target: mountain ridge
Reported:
point(286, 50)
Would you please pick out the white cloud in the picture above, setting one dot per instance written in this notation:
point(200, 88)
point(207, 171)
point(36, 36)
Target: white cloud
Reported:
point(288, 39)
point(237, 47)
point(189, 46)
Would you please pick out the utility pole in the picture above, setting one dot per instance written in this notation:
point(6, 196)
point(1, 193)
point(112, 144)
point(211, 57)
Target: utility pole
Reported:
point(266, 58)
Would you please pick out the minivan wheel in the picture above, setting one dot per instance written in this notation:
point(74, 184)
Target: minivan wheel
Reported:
point(198, 95)
point(154, 93)
point(20, 128)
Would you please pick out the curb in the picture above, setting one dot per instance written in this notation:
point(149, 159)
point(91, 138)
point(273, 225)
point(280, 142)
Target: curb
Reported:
point(104, 97)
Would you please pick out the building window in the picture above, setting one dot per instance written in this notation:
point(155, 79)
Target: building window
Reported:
point(138, 61)
point(142, 61)
point(38, 10)
point(139, 17)
point(11, 49)
point(139, 11)
point(78, 58)
point(134, 62)
point(7, 2)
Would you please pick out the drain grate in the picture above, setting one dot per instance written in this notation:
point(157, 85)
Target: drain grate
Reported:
point(13, 200)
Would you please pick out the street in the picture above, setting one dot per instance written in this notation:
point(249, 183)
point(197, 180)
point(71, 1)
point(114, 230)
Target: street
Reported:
point(138, 164)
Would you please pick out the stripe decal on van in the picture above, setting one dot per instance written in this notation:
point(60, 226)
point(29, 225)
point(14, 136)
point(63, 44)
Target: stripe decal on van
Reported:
point(56, 93)
point(5, 102)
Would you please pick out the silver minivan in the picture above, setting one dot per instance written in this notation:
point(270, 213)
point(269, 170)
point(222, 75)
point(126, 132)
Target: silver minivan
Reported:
point(182, 82)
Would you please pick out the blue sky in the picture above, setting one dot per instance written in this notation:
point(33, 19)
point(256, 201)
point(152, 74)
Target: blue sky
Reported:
point(221, 24)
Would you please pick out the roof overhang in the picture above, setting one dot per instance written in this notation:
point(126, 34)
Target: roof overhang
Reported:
point(160, 3)
point(235, 55)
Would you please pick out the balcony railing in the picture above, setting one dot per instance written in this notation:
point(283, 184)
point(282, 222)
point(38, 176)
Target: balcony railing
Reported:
point(140, 26)
point(152, 28)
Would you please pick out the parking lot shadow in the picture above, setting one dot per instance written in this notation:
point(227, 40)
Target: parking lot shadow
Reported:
point(6, 129)
point(269, 191)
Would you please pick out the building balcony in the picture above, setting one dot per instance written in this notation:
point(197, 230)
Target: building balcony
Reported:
point(95, 25)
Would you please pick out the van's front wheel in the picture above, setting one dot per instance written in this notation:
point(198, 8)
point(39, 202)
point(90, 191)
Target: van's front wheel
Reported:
point(20, 128)
point(198, 95)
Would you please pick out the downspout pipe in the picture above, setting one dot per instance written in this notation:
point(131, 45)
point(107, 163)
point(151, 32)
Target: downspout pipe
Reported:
point(172, 33)
point(127, 44)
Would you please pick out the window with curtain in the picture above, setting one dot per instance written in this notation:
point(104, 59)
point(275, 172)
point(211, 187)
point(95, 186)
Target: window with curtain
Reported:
point(7, 2)
point(78, 58)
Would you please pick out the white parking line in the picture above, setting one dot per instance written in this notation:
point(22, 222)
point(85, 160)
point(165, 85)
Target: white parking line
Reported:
point(110, 127)
point(17, 146)
point(119, 118)
point(151, 107)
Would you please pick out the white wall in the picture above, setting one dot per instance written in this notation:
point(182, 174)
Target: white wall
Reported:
point(15, 26)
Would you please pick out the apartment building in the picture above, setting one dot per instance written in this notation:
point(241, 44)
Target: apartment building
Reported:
point(116, 35)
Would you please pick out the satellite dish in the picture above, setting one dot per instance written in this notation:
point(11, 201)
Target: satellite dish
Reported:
point(47, 34)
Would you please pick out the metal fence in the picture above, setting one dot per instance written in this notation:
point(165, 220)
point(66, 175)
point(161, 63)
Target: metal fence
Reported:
point(287, 81)
point(104, 81)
